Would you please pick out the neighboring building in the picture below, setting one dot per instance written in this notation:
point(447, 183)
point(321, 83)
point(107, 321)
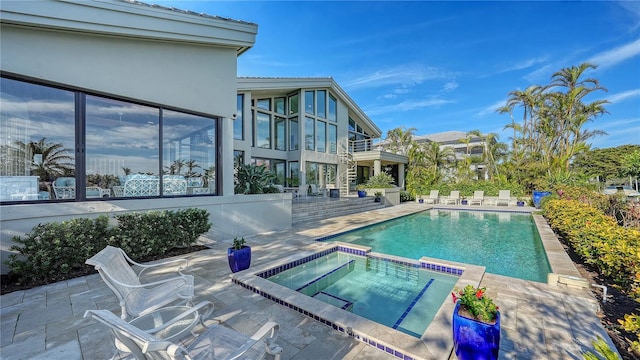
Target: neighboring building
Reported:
point(307, 131)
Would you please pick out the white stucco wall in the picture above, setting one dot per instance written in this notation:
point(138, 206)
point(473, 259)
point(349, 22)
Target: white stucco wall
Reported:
point(230, 216)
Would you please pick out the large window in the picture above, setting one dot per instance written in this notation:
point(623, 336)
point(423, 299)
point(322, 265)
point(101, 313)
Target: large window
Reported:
point(333, 106)
point(281, 133)
point(321, 137)
point(322, 103)
point(309, 136)
point(332, 138)
point(293, 104)
point(111, 149)
point(294, 174)
point(309, 102)
point(238, 123)
point(293, 134)
point(263, 131)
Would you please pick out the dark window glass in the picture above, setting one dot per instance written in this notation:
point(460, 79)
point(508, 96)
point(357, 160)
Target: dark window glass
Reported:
point(280, 130)
point(263, 131)
point(321, 136)
point(309, 135)
point(333, 108)
point(293, 134)
point(238, 123)
point(264, 104)
point(332, 138)
point(278, 104)
point(322, 103)
point(293, 104)
point(309, 105)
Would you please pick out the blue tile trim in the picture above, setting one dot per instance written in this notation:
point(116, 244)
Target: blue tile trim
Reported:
point(325, 275)
point(413, 303)
point(347, 302)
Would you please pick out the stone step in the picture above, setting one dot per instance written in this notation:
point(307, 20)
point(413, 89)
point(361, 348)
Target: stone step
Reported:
point(321, 208)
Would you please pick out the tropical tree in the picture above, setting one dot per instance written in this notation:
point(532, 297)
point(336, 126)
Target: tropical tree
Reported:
point(44, 159)
point(191, 166)
point(400, 140)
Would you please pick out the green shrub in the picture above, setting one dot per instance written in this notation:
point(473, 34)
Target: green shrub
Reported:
point(406, 196)
point(380, 181)
point(50, 252)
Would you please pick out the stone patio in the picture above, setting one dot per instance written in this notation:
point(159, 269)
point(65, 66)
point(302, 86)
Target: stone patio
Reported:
point(539, 321)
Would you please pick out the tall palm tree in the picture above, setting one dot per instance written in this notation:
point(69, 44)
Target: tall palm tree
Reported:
point(191, 165)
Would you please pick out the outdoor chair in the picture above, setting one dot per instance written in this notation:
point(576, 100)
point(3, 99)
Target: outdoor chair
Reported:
point(478, 197)
point(216, 342)
point(453, 198)
point(433, 197)
point(504, 197)
point(314, 190)
point(64, 188)
point(137, 298)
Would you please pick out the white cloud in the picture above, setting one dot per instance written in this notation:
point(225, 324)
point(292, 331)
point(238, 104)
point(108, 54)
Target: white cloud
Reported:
point(614, 56)
point(540, 74)
point(409, 75)
point(525, 64)
point(406, 105)
point(450, 86)
point(619, 97)
point(491, 109)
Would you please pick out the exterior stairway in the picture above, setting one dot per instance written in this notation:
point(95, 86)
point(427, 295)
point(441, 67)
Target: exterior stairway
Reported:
point(313, 209)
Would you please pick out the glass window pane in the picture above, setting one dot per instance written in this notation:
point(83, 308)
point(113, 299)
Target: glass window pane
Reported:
point(37, 142)
point(293, 104)
point(321, 139)
point(263, 131)
point(278, 104)
point(123, 143)
point(293, 134)
point(281, 137)
point(358, 129)
point(238, 157)
point(322, 103)
point(352, 125)
point(294, 174)
point(309, 105)
point(279, 169)
point(333, 139)
point(189, 154)
point(333, 108)
point(312, 172)
point(264, 104)
point(309, 135)
point(238, 123)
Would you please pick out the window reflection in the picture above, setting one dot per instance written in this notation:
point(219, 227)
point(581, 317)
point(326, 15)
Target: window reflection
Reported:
point(37, 142)
point(321, 139)
point(238, 123)
point(263, 131)
point(280, 132)
point(309, 135)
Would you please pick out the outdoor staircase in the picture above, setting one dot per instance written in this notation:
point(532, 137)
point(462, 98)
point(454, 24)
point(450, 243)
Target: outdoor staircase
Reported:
point(348, 170)
point(303, 211)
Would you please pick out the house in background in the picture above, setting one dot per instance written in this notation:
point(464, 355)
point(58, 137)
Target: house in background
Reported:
point(308, 131)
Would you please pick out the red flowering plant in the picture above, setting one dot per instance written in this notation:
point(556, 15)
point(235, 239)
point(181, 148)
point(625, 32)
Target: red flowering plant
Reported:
point(474, 304)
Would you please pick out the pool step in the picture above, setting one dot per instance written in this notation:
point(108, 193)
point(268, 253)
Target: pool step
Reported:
point(314, 209)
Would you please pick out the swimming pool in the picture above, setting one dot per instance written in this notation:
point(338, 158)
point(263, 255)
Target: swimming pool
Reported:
point(505, 243)
point(399, 295)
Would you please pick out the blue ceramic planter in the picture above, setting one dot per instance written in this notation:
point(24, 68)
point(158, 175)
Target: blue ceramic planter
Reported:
point(537, 197)
point(239, 259)
point(362, 193)
point(474, 340)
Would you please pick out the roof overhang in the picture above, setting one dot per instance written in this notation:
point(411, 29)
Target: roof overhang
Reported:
point(135, 19)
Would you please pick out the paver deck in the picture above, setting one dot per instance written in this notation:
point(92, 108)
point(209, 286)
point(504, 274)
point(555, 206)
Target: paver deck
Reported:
point(539, 321)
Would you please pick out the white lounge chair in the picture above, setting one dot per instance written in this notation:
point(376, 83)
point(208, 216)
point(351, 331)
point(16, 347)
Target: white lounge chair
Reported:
point(135, 297)
point(478, 197)
point(504, 197)
point(453, 197)
point(433, 197)
point(217, 342)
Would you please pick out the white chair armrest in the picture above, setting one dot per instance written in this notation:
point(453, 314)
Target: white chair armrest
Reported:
point(271, 328)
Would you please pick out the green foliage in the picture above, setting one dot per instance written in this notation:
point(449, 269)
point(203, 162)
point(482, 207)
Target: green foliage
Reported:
point(599, 240)
point(631, 164)
point(609, 162)
point(50, 252)
point(53, 250)
point(603, 350)
point(475, 301)
point(406, 196)
point(238, 243)
point(379, 181)
point(467, 188)
point(252, 178)
point(631, 323)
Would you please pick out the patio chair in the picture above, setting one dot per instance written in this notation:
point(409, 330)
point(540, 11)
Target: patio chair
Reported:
point(478, 197)
point(454, 197)
point(135, 297)
point(433, 197)
point(314, 190)
point(64, 188)
point(217, 342)
point(504, 197)
point(302, 191)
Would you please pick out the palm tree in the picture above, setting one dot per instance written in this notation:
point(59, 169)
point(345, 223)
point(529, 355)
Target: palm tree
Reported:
point(191, 165)
point(399, 140)
point(54, 161)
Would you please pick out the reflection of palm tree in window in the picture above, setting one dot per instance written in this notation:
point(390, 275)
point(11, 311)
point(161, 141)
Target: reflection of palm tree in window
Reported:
point(53, 162)
point(176, 167)
point(191, 165)
point(127, 171)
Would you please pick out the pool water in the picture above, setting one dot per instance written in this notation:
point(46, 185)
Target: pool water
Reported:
point(505, 243)
point(397, 295)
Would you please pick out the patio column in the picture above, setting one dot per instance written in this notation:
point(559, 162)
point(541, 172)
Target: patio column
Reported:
point(376, 167)
point(227, 157)
point(401, 175)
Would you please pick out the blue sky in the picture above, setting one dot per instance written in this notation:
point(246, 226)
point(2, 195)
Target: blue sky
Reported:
point(440, 66)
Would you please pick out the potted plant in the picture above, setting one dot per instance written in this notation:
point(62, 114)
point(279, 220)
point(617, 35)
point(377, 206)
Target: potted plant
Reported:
point(420, 199)
point(239, 255)
point(378, 197)
point(476, 324)
point(521, 201)
point(361, 192)
point(464, 200)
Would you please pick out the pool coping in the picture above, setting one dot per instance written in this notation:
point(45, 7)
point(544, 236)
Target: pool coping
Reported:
point(435, 342)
